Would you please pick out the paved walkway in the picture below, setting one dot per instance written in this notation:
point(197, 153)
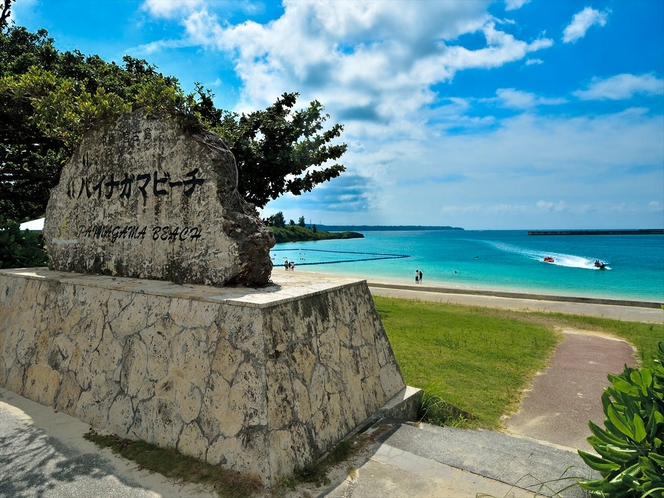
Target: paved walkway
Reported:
point(567, 395)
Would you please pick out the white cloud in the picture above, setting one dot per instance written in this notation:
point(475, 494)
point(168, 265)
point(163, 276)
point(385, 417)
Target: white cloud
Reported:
point(377, 66)
point(171, 8)
point(515, 4)
point(582, 161)
point(550, 207)
point(622, 87)
point(159, 45)
point(374, 60)
point(203, 28)
point(516, 99)
point(581, 22)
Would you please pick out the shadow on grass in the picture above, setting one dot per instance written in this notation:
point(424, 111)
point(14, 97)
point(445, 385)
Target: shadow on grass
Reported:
point(173, 464)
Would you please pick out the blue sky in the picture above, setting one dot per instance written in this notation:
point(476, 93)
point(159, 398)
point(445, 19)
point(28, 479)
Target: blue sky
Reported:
point(510, 114)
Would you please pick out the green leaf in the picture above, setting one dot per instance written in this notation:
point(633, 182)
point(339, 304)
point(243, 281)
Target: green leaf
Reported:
point(635, 377)
point(619, 422)
point(606, 400)
point(632, 482)
point(631, 471)
point(639, 429)
point(658, 459)
point(606, 436)
point(625, 387)
point(652, 491)
point(598, 463)
point(616, 454)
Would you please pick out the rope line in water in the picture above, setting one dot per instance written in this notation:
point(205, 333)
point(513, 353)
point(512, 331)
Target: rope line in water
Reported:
point(344, 252)
point(378, 254)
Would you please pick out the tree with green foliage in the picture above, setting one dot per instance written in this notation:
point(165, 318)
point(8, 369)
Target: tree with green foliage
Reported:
point(302, 222)
point(277, 220)
point(20, 249)
point(281, 150)
point(49, 99)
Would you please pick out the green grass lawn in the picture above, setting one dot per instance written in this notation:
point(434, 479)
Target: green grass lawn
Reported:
point(481, 359)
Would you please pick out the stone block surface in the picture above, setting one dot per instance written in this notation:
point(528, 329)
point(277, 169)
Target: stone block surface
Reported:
point(145, 199)
point(257, 380)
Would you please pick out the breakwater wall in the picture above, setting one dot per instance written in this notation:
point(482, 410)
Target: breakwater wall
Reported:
point(256, 380)
point(648, 231)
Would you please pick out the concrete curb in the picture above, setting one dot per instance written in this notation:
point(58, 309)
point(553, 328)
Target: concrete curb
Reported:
point(518, 295)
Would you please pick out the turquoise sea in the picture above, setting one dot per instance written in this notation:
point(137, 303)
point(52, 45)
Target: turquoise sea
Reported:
point(494, 259)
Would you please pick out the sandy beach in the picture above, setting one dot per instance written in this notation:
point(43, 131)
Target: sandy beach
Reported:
point(616, 309)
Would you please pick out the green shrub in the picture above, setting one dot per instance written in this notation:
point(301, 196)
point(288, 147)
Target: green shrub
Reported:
point(630, 448)
point(20, 249)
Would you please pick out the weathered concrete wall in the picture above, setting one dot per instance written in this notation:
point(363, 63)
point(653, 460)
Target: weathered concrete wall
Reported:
point(256, 380)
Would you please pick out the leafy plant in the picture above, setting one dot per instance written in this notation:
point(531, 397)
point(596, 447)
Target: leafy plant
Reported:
point(20, 249)
point(630, 448)
point(435, 410)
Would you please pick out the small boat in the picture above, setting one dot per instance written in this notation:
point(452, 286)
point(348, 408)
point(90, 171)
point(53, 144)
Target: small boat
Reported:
point(549, 259)
point(599, 264)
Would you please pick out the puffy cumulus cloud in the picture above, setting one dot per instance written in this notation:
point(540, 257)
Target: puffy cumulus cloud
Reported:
point(622, 87)
point(371, 61)
point(581, 22)
point(203, 28)
point(501, 48)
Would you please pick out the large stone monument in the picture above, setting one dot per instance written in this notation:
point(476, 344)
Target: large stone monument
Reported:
point(144, 199)
point(258, 378)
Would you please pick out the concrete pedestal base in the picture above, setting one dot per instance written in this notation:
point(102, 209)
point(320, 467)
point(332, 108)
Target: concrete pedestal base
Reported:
point(257, 380)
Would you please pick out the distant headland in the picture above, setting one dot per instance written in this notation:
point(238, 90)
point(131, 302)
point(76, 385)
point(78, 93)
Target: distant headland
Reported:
point(296, 233)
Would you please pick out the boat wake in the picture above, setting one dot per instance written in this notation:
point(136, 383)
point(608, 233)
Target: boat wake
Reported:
point(559, 259)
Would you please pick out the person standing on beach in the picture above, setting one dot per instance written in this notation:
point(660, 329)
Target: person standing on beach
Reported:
point(417, 276)
point(420, 277)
